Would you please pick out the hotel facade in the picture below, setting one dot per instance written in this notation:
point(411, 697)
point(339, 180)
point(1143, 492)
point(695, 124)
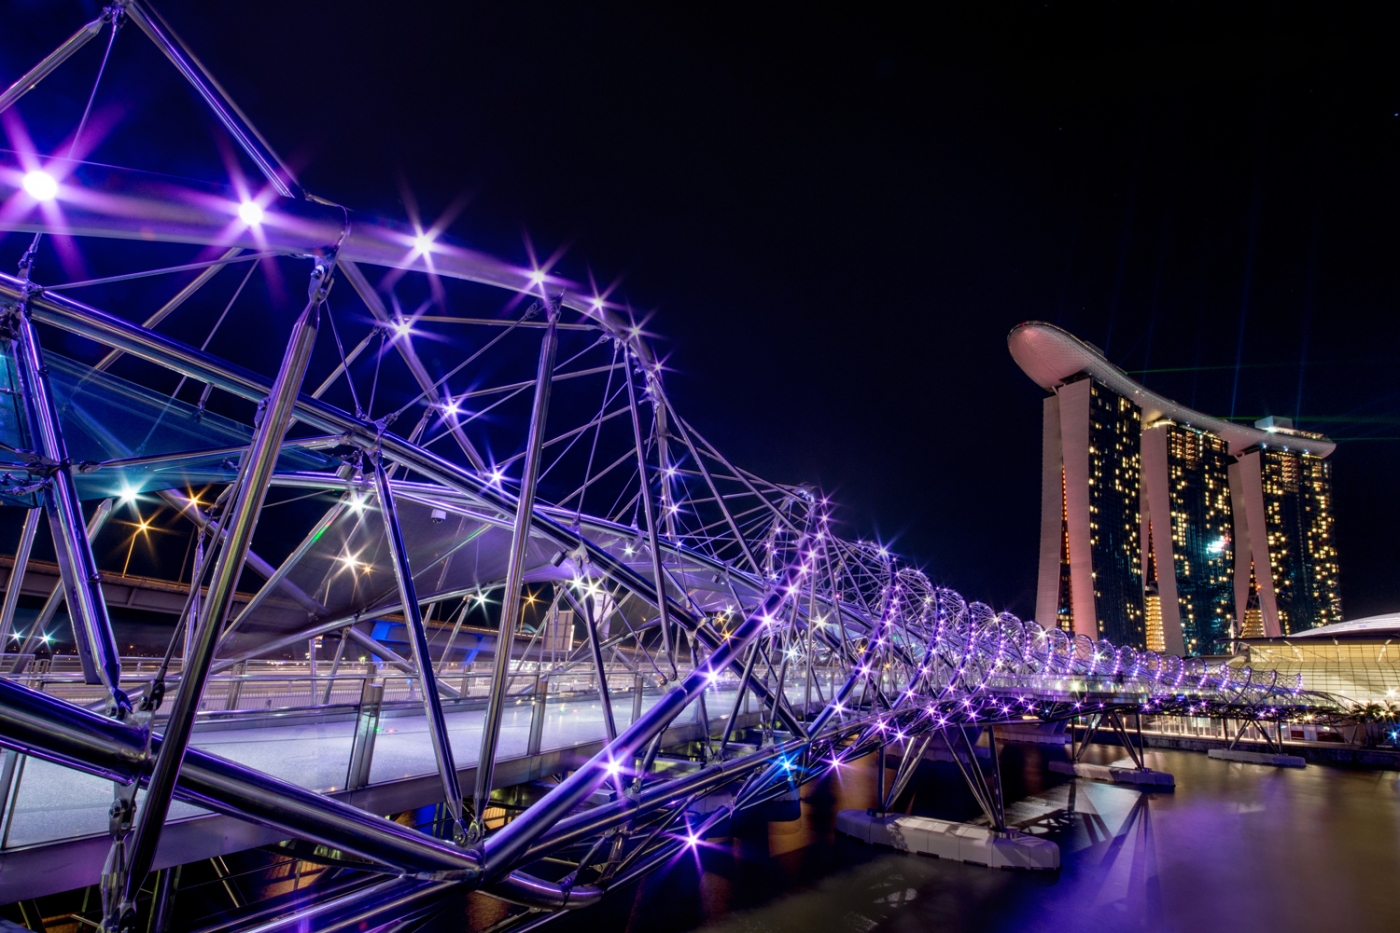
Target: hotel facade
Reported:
point(1168, 529)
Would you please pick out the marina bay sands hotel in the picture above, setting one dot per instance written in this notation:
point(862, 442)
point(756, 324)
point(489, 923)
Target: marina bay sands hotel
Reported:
point(1168, 529)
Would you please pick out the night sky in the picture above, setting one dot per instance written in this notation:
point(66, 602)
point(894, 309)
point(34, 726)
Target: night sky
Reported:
point(837, 215)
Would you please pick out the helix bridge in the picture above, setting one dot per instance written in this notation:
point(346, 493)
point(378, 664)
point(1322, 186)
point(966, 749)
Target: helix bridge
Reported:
point(433, 535)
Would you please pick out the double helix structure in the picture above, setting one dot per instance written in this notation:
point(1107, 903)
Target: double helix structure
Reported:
point(420, 527)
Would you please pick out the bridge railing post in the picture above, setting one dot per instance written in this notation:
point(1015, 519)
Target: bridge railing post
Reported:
point(11, 769)
point(366, 728)
point(537, 713)
point(235, 686)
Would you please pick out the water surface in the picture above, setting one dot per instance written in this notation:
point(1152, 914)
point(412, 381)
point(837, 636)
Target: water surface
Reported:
point(1236, 847)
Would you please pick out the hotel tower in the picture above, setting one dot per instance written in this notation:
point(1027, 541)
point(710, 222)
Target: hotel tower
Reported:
point(1168, 529)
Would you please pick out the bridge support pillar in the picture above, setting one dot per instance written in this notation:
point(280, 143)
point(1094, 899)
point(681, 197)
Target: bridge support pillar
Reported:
point(1276, 759)
point(1131, 770)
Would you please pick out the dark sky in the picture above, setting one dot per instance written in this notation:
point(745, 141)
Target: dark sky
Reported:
point(837, 214)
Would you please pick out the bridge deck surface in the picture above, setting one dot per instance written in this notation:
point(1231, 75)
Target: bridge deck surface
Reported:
point(55, 803)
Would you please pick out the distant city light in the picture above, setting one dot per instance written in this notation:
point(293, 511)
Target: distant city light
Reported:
point(40, 185)
point(251, 213)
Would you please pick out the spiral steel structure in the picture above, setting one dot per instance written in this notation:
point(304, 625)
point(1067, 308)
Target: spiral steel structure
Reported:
point(477, 446)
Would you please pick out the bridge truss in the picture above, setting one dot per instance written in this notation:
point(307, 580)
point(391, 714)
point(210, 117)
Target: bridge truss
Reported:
point(436, 449)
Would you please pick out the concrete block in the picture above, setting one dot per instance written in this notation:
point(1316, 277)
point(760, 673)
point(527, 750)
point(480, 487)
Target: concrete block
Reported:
point(848, 824)
point(957, 841)
point(1027, 853)
point(1114, 774)
point(931, 837)
point(1258, 758)
point(859, 824)
point(974, 844)
point(1146, 777)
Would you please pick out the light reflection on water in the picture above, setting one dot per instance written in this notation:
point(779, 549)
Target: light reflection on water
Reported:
point(1236, 847)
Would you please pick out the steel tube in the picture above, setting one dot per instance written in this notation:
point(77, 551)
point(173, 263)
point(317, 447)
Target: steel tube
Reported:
point(370, 297)
point(645, 492)
point(503, 849)
point(714, 490)
point(242, 131)
point(244, 510)
point(56, 595)
point(279, 575)
point(604, 698)
point(44, 727)
point(48, 728)
point(427, 680)
point(12, 589)
point(92, 628)
point(186, 506)
point(75, 317)
point(50, 62)
point(175, 301)
point(515, 571)
point(136, 205)
point(183, 504)
point(397, 899)
point(738, 700)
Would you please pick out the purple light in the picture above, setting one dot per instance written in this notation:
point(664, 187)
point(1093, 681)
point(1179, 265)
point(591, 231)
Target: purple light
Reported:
point(40, 185)
point(250, 212)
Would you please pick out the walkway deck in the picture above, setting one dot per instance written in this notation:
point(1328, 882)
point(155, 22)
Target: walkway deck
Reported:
point(55, 832)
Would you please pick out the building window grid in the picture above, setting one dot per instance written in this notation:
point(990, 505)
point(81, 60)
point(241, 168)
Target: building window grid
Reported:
point(1302, 557)
point(1201, 524)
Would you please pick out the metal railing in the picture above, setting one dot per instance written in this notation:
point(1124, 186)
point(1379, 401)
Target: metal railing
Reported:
point(361, 698)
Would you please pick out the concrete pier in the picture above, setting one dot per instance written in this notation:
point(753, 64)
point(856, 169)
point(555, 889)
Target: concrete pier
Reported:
point(1258, 758)
point(1117, 774)
point(961, 842)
